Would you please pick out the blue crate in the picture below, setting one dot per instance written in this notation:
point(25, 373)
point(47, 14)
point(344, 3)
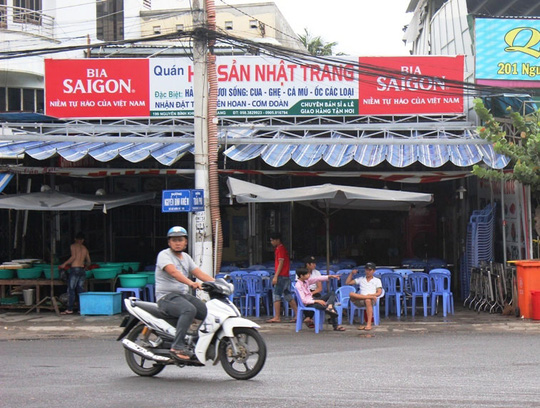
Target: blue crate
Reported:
point(100, 303)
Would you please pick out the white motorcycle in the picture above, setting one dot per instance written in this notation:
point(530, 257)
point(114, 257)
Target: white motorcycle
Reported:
point(223, 336)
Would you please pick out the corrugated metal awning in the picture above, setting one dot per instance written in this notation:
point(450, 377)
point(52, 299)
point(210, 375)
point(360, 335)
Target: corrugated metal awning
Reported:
point(396, 150)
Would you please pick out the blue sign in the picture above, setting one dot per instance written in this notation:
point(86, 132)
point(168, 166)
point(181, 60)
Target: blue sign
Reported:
point(182, 201)
point(508, 49)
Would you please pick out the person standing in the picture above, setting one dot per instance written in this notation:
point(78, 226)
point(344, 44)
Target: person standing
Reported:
point(370, 290)
point(281, 280)
point(174, 267)
point(78, 260)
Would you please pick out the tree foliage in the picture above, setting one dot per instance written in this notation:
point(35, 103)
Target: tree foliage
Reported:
point(525, 155)
point(316, 45)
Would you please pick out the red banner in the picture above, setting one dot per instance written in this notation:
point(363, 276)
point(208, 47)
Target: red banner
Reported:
point(410, 85)
point(96, 88)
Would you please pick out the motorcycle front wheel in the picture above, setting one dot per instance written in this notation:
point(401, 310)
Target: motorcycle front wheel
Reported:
point(140, 365)
point(243, 356)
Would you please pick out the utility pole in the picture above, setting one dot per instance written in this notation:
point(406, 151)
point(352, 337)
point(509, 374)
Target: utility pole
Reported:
point(202, 250)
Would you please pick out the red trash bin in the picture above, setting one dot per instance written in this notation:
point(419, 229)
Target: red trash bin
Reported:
point(535, 302)
point(528, 280)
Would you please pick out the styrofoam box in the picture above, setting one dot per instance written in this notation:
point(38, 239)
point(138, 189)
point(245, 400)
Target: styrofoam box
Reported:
point(100, 303)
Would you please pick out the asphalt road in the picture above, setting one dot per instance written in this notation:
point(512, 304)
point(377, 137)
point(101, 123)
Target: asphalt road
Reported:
point(303, 369)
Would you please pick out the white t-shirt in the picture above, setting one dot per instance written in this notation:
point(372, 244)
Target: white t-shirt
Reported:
point(314, 274)
point(368, 288)
point(165, 283)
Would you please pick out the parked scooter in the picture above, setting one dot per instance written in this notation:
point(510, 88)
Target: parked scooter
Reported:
point(223, 336)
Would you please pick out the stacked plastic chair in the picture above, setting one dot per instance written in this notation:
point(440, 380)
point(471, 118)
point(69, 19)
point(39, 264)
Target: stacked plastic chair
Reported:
point(479, 244)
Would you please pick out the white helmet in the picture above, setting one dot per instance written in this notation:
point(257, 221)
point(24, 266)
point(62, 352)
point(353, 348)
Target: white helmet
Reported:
point(177, 231)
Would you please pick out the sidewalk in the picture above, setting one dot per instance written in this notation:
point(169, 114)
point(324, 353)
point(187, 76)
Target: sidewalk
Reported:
point(18, 326)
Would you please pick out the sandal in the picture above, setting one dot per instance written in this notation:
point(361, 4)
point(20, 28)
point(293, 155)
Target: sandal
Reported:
point(330, 310)
point(181, 355)
point(66, 312)
point(339, 328)
point(310, 325)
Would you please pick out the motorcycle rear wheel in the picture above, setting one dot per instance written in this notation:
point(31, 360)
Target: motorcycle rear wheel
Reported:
point(251, 355)
point(140, 365)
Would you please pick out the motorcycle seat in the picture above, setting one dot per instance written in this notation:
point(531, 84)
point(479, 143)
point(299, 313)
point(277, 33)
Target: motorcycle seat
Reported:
point(153, 309)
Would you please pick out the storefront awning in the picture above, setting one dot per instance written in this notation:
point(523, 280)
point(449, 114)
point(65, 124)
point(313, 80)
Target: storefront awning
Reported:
point(166, 154)
point(5, 178)
point(401, 144)
point(399, 152)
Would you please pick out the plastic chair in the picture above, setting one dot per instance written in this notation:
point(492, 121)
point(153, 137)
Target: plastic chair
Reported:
point(343, 273)
point(149, 292)
point(238, 297)
point(393, 286)
point(441, 287)
point(379, 272)
point(254, 294)
point(126, 292)
point(441, 270)
point(420, 285)
point(343, 300)
point(361, 310)
point(318, 315)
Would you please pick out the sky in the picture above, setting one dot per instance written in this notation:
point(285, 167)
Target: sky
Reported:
point(360, 27)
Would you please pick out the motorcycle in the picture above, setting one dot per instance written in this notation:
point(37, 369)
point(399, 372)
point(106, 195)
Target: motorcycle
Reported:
point(224, 336)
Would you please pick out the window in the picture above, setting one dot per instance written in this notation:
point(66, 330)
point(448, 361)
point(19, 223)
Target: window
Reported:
point(40, 101)
point(254, 24)
point(228, 25)
point(21, 100)
point(28, 100)
point(110, 20)
point(14, 100)
point(3, 99)
point(27, 11)
point(3, 14)
point(179, 27)
point(157, 29)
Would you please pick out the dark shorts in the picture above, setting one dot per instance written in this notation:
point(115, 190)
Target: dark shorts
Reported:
point(283, 288)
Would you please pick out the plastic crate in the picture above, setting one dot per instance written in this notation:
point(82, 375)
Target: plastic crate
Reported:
point(100, 303)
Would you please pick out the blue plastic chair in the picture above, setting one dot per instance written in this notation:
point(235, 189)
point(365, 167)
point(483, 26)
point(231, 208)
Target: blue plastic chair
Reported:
point(318, 315)
point(441, 287)
point(361, 309)
point(343, 300)
point(254, 294)
point(379, 272)
point(441, 270)
point(393, 286)
point(420, 286)
point(343, 273)
point(238, 297)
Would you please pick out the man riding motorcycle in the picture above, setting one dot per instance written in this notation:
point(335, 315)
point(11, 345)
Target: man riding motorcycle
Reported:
point(173, 283)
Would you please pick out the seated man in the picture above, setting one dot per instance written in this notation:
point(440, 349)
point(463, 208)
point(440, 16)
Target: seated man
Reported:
point(174, 268)
point(325, 302)
point(370, 290)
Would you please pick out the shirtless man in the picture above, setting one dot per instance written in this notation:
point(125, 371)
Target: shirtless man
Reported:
point(79, 257)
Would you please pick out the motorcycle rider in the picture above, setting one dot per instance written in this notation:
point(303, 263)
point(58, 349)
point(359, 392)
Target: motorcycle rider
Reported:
point(173, 283)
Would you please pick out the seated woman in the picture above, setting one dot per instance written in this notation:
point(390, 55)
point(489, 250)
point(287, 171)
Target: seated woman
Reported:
point(325, 302)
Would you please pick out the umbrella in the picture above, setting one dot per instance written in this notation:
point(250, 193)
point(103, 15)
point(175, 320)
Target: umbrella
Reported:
point(329, 196)
point(55, 201)
point(52, 200)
